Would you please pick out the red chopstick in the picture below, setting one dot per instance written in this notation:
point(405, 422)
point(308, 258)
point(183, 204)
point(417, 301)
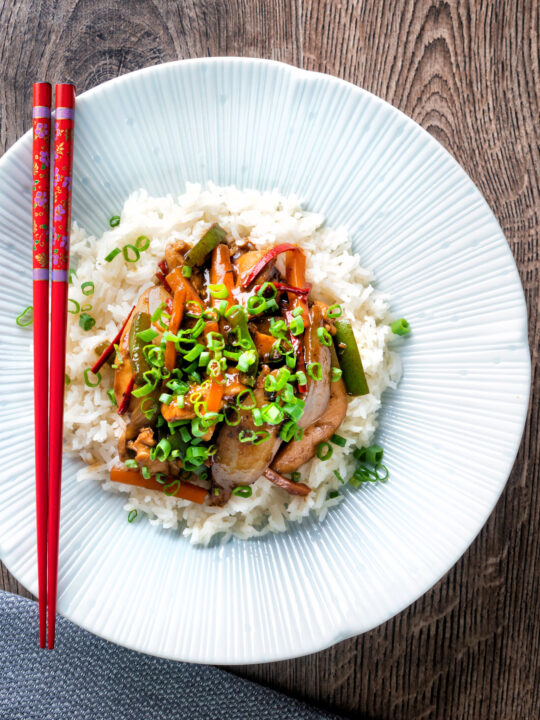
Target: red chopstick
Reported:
point(63, 161)
point(41, 173)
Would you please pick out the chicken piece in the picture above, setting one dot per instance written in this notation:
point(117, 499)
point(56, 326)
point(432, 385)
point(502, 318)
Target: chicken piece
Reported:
point(298, 452)
point(318, 392)
point(174, 253)
point(237, 463)
point(142, 446)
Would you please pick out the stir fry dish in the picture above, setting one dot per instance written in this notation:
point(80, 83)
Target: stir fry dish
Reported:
point(227, 369)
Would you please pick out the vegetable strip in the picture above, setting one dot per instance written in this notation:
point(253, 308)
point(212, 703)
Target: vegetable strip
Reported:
point(186, 491)
point(349, 359)
point(122, 408)
point(263, 262)
point(105, 355)
point(174, 325)
point(295, 272)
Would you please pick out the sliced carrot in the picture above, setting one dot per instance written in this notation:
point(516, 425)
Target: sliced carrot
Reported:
point(177, 314)
point(264, 343)
point(177, 281)
point(187, 491)
point(295, 272)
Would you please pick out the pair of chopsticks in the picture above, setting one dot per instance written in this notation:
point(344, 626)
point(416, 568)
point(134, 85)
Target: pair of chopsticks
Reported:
point(49, 401)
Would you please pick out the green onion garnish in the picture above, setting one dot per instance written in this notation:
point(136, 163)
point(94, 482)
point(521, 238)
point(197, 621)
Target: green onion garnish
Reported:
point(112, 397)
point(314, 371)
point(333, 494)
point(245, 394)
point(76, 306)
point(26, 317)
point(172, 488)
point(301, 378)
point(147, 335)
point(288, 431)
point(114, 221)
point(186, 271)
point(278, 327)
point(256, 304)
point(400, 327)
point(145, 472)
point(158, 312)
point(87, 381)
point(131, 464)
point(86, 307)
point(247, 360)
point(336, 374)
point(86, 321)
point(218, 291)
point(236, 419)
point(272, 414)
point(165, 398)
point(338, 475)
point(262, 292)
point(334, 311)
point(338, 440)
point(71, 273)
point(324, 451)
point(296, 312)
point(132, 515)
point(142, 243)
point(243, 491)
point(87, 288)
point(130, 248)
point(296, 326)
point(324, 336)
point(112, 254)
point(374, 454)
point(160, 478)
point(67, 379)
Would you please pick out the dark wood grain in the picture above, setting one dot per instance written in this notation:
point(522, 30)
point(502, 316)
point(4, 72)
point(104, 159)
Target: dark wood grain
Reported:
point(468, 72)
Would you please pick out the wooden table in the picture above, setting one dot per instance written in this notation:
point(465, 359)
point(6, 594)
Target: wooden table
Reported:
point(467, 72)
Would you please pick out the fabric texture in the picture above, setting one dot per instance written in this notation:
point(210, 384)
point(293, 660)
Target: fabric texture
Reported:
point(87, 678)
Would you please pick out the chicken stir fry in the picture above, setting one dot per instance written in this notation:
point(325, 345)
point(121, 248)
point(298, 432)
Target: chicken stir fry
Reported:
point(227, 370)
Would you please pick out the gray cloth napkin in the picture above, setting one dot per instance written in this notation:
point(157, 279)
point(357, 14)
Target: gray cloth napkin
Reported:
point(86, 678)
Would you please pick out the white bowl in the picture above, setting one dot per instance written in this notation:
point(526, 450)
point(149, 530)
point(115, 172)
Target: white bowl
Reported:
point(450, 431)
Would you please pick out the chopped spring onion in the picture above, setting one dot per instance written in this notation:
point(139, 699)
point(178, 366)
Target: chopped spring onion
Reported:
point(296, 312)
point(172, 488)
point(336, 374)
point(272, 414)
point(256, 304)
point(236, 418)
point(338, 475)
point(186, 271)
point(245, 394)
point(145, 472)
point(86, 307)
point(142, 243)
point(215, 341)
point(126, 250)
point(294, 410)
point(247, 360)
point(262, 291)
point(278, 327)
point(314, 371)
point(257, 417)
point(296, 326)
point(301, 378)
point(112, 397)
point(132, 515)
point(288, 431)
point(243, 491)
point(67, 379)
point(296, 476)
point(324, 451)
point(160, 478)
point(290, 359)
point(112, 254)
point(131, 464)
point(333, 494)
point(374, 454)
point(86, 321)
point(218, 291)
point(334, 311)
point(400, 327)
point(25, 318)
point(76, 306)
point(87, 381)
point(165, 398)
point(338, 440)
point(114, 221)
point(324, 336)
point(162, 449)
point(71, 273)
point(158, 312)
point(150, 411)
point(87, 288)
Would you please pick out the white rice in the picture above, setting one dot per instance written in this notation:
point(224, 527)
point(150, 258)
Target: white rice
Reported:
point(92, 426)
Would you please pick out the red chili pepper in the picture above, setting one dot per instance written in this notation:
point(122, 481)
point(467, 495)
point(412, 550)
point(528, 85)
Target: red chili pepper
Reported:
point(298, 347)
point(110, 348)
point(162, 279)
point(127, 397)
point(163, 265)
point(266, 258)
point(169, 305)
point(287, 288)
